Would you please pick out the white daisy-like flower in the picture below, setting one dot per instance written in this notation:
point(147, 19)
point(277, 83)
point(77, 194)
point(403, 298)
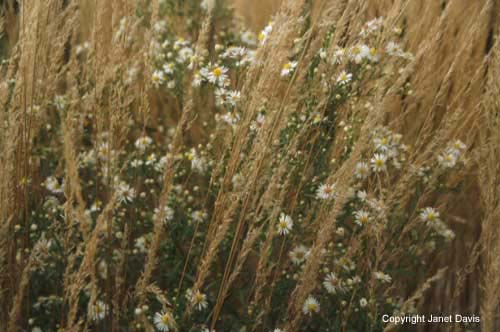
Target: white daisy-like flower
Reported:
point(198, 300)
point(142, 143)
point(60, 102)
point(249, 38)
point(288, 68)
point(372, 26)
point(168, 214)
point(359, 52)
point(362, 170)
point(326, 192)
point(448, 159)
point(264, 35)
point(197, 80)
point(125, 193)
point(53, 185)
point(151, 159)
point(104, 151)
point(361, 195)
point(332, 283)
point(140, 244)
point(171, 84)
point(234, 52)
point(185, 54)
point(382, 277)
point(180, 43)
point(198, 216)
point(165, 321)
point(382, 144)
point(258, 122)
point(157, 78)
point(393, 49)
point(344, 78)
point(160, 165)
point(379, 162)
point(233, 97)
point(97, 311)
point(374, 55)
point(285, 224)
point(218, 75)
point(231, 118)
point(169, 68)
point(299, 254)
point(361, 217)
point(311, 305)
point(338, 55)
point(458, 147)
point(429, 215)
point(198, 163)
point(363, 302)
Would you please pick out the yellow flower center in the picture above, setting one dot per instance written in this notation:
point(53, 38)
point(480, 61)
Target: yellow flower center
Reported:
point(261, 36)
point(165, 319)
point(379, 162)
point(431, 216)
point(217, 72)
point(312, 306)
point(287, 66)
point(373, 51)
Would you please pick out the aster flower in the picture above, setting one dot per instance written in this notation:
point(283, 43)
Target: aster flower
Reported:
point(288, 68)
point(379, 162)
point(358, 53)
point(382, 144)
point(362, 170)
point(218, 75)
point(164, 321)
point(382, 277)
point(326, 192)
point(249, 38)
point(361, 217)
point(98, 310)
point(169, 68)
point(53, 185)
point(233, 97)
point(394, 49)
point(184, 55)
point(299, 254)
point(344, 78)
point(332, 283)
point(448, 159)
point(264, 35)
point(429, 215)
point(125, 193)
point(285, 224)
point(143, 142)
point(157, 78)
point(311, 305)
point(198, 300)
point(338, 55)
point(198, 216)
